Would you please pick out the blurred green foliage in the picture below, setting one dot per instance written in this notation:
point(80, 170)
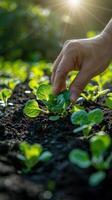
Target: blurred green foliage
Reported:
point(27, 31)
point(35, 29)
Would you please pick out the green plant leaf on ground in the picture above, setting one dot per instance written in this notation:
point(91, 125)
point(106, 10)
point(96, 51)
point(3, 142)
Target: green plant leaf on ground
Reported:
point(5, 94)
point(30, 155)
point(59, 104)
point(99, 143)
point(79, 118)
point(96, 178)
point(95, 116)
point(30, 150)
point(86, 120)
point(31, 109)
point(80, 158)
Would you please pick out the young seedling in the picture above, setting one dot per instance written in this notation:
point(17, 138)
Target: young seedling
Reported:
point(5, 94)
point(98, 146)
point(94, 92)
point(57, 105)
point(30, 155)
point(86, 120)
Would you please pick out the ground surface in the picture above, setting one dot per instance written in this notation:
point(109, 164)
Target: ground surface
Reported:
point(59, 176)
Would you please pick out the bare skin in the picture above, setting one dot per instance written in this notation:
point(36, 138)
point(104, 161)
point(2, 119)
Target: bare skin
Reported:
point(89, 56)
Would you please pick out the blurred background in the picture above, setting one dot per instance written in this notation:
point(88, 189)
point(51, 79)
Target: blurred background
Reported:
point(32, 30)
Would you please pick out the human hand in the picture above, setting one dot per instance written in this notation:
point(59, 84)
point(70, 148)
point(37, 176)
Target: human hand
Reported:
point(89, 56)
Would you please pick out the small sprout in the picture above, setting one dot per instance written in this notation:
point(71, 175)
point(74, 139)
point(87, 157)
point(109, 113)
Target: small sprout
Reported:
point(30, 155)
point(94, 92)
point(99, 143)
point(96, 178)
point(86, 120)
point(57, 105)
point(31, 109)
point(98, 146)
point(80, 158)
point(5, 94)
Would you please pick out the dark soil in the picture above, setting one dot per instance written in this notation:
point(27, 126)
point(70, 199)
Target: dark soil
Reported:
point(57, 179)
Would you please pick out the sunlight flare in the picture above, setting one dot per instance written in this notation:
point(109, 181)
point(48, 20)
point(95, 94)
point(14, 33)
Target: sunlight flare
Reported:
point(75, 3)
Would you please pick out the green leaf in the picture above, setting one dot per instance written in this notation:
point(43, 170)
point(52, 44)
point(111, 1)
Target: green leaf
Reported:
point(30, 154)
point(43, 92)
point(54, 118)
point(5, 94)
point(80, 158)
point(30, 151)
point(33, 84)
point(45, 156)
point(99, 143)
point(108, 102)
point(64, 97)
point(95, 116)
point(56, 109)
point(79, 118)
point(96, 178)
point(31, 109)
point(63, 100)
point(58, 104)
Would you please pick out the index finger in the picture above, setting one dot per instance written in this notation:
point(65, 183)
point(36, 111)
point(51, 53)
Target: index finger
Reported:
point(57, 61)
point(66, 65)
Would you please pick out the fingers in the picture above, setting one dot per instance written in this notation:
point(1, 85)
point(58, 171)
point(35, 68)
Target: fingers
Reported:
point(79, 83)
point(66, 64)
point(57, 61)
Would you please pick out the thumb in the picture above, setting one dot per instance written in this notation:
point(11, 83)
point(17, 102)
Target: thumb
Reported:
point(78, 84)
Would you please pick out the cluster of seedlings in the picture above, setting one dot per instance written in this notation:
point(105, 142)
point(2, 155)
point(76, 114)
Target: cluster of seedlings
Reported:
point(59, 106)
